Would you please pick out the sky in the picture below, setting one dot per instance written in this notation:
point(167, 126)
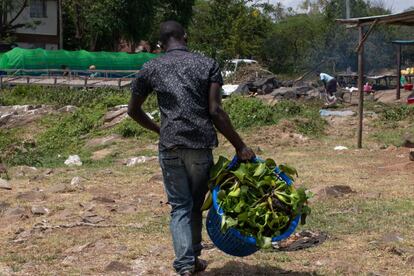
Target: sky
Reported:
point(395, 5)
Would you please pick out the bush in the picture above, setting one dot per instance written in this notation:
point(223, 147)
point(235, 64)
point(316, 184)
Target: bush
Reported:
point(397, 113)
point(249, 112)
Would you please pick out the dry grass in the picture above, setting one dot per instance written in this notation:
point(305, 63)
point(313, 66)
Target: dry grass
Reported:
point(356, 224)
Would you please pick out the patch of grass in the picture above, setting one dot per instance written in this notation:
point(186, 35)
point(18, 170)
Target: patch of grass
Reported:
point(398, 113)
point(248, 112)
point(64, 135)
point(60, 96)
point(358, 215)
point(393, 122)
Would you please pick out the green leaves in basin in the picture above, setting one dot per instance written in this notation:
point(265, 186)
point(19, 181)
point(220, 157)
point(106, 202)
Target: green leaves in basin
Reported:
point(255, 201)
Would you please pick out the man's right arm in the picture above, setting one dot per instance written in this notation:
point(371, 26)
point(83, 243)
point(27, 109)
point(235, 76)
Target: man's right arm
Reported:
point(223, 124)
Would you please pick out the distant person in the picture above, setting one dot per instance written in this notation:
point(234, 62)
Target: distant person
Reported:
point(330, 85)
point(65, 70)
point(143, 47)
point(93, 74)
point(157, 49)
point(188, 88)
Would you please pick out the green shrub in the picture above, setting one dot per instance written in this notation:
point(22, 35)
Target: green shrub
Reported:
point(248, 112)
point(397, 113)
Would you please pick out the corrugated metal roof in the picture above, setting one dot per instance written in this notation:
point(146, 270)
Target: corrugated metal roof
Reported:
point(403, 18)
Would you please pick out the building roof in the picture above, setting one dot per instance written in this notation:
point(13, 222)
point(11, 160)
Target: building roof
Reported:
point(403, 18)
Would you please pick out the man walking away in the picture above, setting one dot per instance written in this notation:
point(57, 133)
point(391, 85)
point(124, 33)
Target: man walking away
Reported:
point(330, 86)
point(188, 87)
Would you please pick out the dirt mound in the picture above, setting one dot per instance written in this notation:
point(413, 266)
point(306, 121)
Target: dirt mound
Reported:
point(248, 73)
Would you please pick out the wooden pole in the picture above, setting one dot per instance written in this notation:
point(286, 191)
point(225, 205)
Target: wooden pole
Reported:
point(60, 23)
point(360, 85)
point(398, 71)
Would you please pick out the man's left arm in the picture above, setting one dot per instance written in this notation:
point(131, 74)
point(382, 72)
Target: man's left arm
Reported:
point(141, 88)
point(136, 112)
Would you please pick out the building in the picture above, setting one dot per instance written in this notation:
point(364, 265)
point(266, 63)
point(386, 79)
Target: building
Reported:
point(45, 34)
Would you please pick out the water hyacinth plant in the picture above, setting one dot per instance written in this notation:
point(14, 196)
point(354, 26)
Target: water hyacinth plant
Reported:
point(255, 200)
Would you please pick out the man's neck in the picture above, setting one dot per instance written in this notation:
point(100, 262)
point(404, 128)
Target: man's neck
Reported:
point(175, 45)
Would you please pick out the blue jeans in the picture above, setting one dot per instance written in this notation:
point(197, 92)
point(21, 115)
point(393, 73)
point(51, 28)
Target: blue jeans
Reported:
point(186, 173)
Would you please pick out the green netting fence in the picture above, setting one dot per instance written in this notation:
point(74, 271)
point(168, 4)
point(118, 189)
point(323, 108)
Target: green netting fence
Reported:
point(30, 59)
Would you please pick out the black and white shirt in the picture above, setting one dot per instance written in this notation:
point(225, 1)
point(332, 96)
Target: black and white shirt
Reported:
point(181, 80)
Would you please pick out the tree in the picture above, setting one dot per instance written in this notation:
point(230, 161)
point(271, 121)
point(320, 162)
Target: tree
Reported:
point(100, 25)
point(10, 10)
point(294, 42)
point(228, 28)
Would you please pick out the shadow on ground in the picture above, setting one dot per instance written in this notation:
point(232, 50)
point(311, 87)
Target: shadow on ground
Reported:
point(241, 269)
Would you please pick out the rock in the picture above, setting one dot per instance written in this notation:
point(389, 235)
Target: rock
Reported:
point(3, 206)
point(69, 260)
point(73, 186)
point(5, 270)
point(125, 209)
point(340, 148)
point(408, 141)
point(19, 115)
point(133, 161)
point(392, 238)
point(319, 263)
point(68, 109)
point(101, 154)
point(116, 266)
point(264, 85)
point(336, 191)
point(103, 199)
point(411, 155)
point(62, 188)
point(92, 218)
point(78, 249)
point(5, 185)
point(31, 196)
point(14, 212)
point(115, 112)
point(25, 171)
point(391, 148)
point(103, 141)
point(76, 184)
point(73, 160)
point(410, 261)
point(157, 178)
point(39, 210)
point(87, 206)
point(284, 93)
point(115, 116)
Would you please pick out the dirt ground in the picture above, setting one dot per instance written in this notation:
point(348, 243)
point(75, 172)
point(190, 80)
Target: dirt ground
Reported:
point(113, 220)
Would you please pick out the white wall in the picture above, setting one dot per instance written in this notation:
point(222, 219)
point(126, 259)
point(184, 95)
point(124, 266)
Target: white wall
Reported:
point(48, 26)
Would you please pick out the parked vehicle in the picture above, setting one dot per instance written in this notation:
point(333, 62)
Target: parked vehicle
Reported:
point(231, 66)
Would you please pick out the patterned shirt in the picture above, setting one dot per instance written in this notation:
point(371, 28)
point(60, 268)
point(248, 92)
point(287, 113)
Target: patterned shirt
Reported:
point(181, 80)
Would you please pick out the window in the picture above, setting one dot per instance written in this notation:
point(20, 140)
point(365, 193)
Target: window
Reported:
point(38, 8)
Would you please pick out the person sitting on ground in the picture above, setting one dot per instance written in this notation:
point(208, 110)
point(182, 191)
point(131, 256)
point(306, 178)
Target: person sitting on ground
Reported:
point(188, 88)
point(330, 86)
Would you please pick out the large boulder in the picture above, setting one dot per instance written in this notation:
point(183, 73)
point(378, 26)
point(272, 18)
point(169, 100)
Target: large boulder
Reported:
point(20, 115)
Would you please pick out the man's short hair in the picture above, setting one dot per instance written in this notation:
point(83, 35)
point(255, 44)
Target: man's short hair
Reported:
point(171, 29)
